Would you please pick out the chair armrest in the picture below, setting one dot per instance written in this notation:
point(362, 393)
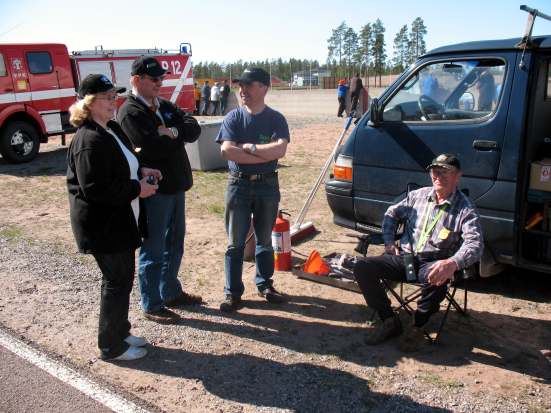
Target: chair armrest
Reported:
point(467, 273)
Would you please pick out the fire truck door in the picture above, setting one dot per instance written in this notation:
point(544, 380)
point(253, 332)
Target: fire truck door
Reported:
point(7, 91)
point(43, 80)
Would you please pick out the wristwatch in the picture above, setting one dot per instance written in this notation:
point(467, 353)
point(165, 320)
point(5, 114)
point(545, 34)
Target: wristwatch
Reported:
point(174, 131)
point(253, 148)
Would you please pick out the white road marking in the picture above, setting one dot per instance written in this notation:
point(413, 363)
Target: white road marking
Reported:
point(69, 376)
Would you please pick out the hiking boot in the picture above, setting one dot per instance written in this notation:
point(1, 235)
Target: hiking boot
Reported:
point(271, 295)
point(390, 327)
point(230, 304)
point(162, 316)
point(183, 300)
point(412, 340)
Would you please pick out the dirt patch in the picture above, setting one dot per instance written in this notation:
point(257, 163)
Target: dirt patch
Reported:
point(306, 355)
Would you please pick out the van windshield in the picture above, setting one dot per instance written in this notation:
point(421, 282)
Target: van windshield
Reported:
point(448, 91)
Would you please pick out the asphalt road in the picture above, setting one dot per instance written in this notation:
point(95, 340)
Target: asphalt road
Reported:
point(27, 388)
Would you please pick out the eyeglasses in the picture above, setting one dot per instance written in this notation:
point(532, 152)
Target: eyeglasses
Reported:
point(107, 97)
point(155, 79)
point(441, 171)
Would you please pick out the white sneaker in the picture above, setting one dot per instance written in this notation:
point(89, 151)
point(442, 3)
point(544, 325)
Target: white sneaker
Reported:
point(136, 341)
point(133, 353)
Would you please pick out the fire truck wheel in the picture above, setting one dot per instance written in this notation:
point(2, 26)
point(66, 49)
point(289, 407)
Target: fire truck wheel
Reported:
point(19, 142)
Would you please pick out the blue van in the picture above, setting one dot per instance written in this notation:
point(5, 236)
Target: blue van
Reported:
point(489, 102)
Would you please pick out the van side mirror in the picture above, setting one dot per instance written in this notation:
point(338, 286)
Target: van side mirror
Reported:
point(374, 116)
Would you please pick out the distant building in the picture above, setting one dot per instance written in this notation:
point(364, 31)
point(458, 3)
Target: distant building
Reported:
point(309, 78)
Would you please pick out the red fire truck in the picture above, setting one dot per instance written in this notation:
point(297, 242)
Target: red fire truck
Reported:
point(38, 83)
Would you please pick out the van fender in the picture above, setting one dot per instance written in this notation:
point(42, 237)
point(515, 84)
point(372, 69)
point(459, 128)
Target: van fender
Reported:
point(23, 110)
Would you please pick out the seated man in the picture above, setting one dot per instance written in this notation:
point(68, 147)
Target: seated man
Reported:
point(442, 232)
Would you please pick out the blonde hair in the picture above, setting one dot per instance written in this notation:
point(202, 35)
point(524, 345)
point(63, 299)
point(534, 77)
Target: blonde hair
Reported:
point(80, 110)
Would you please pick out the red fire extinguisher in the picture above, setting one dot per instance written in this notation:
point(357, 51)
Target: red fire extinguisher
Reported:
point(281, 242)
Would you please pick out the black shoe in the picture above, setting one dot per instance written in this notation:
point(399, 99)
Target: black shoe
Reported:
point(230, 304)
point(162, 316)
point(271, 295)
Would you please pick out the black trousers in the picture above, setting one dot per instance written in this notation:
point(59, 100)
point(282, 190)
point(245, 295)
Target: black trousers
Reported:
point(206, 103)
point(354, 97)
point(118, 276)
point(368, 273)
point(342, 105)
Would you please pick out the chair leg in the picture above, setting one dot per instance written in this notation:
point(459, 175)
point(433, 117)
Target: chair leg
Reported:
point(451, 301)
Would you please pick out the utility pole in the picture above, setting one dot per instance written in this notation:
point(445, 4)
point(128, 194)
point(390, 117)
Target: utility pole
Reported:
point(310, 82)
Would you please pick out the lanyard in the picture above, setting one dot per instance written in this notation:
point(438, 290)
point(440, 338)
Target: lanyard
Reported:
point(425, 232)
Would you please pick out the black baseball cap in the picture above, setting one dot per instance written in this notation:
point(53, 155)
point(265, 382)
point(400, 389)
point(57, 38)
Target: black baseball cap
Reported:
point(147, 66)
point(254, 74)
point(93, 84)
point(445, 160)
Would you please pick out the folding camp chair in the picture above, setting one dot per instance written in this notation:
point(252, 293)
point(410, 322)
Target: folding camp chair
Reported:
point(405, 302)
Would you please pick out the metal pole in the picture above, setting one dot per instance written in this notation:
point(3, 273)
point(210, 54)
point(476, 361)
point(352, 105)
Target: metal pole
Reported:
point(270, 63)
point(310, 83)
point(291, 69)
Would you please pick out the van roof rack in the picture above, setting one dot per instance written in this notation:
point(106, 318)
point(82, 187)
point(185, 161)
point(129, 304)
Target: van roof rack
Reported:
point(526, 40)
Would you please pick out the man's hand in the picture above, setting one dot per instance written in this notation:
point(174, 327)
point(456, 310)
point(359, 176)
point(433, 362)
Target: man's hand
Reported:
point(392, 249)
point(151, 172)
point(442, 271)
point(166, 132)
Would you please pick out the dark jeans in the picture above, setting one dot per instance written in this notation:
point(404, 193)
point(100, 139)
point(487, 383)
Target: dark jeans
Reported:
point(342, 105)
point(197, 107)
point(369, 271)
point(243, 198)
point(215, 105)
point(223, 105)
point(206, 103)
point(118, 276)
point(354, 97)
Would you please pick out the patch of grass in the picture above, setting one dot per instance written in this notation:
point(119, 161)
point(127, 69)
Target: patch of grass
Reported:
point(536, 409)
point(436, 380)
point(10, 232)
point(215, 209)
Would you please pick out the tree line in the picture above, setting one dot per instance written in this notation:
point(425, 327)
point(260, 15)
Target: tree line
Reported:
point(349, 52)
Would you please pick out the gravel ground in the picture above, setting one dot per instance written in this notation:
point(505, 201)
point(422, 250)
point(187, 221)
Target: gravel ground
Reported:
point(214, 363)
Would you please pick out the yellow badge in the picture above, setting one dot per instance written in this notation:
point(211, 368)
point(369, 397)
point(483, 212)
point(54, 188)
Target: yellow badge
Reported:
point(444, 233)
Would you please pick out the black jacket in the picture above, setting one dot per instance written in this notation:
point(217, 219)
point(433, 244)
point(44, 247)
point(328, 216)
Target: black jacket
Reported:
point(100, 191)
point(161, 152)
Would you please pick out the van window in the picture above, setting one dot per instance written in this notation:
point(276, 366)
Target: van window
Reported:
point(39, 62)
point(3, 71)
point(444, 91)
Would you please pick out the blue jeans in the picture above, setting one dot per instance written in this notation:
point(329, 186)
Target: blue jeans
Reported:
point(243, 198)
point(223, 104)
point(161, 253)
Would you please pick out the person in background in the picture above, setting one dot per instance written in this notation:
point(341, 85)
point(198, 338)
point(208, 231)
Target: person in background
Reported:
point(105, 182)
point(253, 137)
point(215, 98)
point(486, 92)
point(205, 98)
point(160, 129)
point(224, 95)
point(342, 89)
point(356, 88)
point(197, 94)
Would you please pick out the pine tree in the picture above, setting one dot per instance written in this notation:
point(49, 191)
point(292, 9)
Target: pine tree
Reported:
point(401, 45)
point(379, 53)
point(335, 43)
point(417, 39)
point(350, 49)
point(365, 47)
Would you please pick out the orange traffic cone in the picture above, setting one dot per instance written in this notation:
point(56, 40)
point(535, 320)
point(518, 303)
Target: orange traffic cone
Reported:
point(316, 265)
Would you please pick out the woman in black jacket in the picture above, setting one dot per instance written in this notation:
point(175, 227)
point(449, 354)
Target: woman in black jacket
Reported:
point(105, 183)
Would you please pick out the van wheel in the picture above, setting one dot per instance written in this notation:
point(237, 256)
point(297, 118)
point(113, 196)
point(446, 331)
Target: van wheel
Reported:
point(19, 142)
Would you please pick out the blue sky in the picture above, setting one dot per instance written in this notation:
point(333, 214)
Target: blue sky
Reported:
point(251, 30)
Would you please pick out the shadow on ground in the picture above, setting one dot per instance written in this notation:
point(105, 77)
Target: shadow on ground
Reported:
point(248, 379)
point(50, 163)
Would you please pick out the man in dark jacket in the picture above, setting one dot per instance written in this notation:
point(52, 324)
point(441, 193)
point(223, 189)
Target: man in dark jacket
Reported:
point(205, 97)
point(158, 130)
point(356, 87)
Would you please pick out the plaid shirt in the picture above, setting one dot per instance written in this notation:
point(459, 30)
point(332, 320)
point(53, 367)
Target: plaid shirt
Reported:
point(456, 235)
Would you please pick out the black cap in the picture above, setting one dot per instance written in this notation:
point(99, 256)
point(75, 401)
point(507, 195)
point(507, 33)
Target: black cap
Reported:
point(93, 84)
point(254, 74)
point(147, 66)
point(445, 160)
